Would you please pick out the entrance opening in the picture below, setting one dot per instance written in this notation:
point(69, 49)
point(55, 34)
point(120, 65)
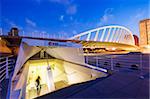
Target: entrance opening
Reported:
point(52, 77)
point(56, 74)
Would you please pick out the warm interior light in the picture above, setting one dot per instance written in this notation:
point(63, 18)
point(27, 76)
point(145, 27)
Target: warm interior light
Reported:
point(113, 48)
point(148, 46)
point(60, 75)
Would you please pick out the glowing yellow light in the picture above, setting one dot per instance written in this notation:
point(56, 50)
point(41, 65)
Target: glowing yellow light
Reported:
point(148, 46)
point(113, 48)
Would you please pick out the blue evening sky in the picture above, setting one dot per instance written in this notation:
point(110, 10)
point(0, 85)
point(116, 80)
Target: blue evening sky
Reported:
point(65, 18)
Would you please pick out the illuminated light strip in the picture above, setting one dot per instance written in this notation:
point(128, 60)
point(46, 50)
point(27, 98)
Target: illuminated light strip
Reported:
point(101, 69)
point(101, 39)
point(108, 34)
point(93, 67)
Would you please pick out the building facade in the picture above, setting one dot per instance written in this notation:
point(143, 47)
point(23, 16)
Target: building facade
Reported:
point(136, 39)
point(144, 32)
point(13, 32)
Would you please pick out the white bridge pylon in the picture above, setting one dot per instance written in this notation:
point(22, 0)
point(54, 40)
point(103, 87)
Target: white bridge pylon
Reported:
point(116, 34)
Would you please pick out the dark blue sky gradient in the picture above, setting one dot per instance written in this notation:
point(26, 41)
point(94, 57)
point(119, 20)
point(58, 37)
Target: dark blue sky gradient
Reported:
point(65, 18)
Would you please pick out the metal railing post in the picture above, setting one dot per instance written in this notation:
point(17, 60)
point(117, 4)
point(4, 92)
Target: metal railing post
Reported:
point(112, 63)
point(87, 59)
point(43, 34)
point(7, 73)
point(96, 61)
point(23, 33)
point(1, 31)
point(31, 34)
point(141, 67)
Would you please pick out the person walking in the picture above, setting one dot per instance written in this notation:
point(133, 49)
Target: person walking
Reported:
point(38, 85)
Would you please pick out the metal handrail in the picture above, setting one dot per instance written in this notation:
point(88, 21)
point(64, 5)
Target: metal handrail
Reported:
point(3, 77)
point(6, 57)
point(11, 62)
point(2, 70)
point(6, 67)
point(2, 62)
point(125, 60)
point(2, 66)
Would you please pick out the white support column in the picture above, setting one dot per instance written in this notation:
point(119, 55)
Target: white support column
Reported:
point(106, 40)
point(87, 59)
point(112, 35)
point(7, 72)
point(112, 63)
point(120, 36)
point(96, 61)
point(89, 35)
point(141, 67)
point(96, 36)
point(102, 34)
point(123, 38)
point(50, 83)
point(117, 34)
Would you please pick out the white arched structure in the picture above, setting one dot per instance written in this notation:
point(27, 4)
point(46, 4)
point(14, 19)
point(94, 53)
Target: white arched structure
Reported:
point(116, 34)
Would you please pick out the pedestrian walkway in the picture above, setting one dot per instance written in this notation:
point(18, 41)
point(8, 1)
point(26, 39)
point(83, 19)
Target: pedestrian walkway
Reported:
point(33, 92)
point(122, 84)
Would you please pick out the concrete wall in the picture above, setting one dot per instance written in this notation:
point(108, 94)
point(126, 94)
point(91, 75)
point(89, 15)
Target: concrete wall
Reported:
point(74, 55)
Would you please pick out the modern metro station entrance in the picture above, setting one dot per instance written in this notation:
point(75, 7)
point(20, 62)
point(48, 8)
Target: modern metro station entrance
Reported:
point(57, 67)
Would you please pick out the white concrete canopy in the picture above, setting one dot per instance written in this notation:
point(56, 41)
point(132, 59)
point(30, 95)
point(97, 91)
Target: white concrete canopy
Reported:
point(70, 55)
